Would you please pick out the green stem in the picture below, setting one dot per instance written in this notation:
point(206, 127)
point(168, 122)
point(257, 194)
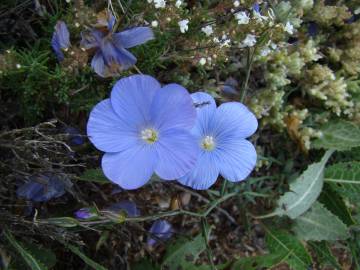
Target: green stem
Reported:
point(205, 232)
point(223, 188)
point(249, 62)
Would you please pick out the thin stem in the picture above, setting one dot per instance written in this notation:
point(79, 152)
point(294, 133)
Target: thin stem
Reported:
point(205, 232)
point(249, 62)
point(223, 188)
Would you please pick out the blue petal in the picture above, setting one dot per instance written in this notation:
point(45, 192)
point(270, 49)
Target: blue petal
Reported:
point(111, 20)
point(131, 98)
point(160, 230)
point(75, 138)
point(173, 107)
point(107, 131)
point(56, 47)
point(177, 151)
point(205, 108)
point(62, 35)
point(256, 7)
point(205, 173)
point(131, 168)
point(116, 58)
point(133, 37)
point(98, 65)
point(233, 119)
point(236, 158)
point(127, 206)
point(91, 39)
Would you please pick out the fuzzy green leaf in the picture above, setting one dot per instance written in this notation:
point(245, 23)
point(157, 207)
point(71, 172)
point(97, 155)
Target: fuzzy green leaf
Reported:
point(282, 242)
point(345, 179)
point(30, 260)
point(183, 251)
point(260, 262)
point(303, 191)
point(338, 135)
point(335, 204)
point(319, 224)
point(324, 255)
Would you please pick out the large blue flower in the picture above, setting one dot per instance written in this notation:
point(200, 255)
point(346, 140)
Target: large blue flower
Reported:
point(60, 40)
point(111, 56)
point(143, 128)
point(221, 134)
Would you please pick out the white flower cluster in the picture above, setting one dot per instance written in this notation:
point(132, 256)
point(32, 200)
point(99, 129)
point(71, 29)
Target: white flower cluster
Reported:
point(158, 3)
point(183, 24)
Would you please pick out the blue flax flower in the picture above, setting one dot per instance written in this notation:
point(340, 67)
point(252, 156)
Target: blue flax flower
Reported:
point(60, 40)
point(160, 230)
point(221, 134)
point(144, 128)
point(42, 188)
point(111, 56)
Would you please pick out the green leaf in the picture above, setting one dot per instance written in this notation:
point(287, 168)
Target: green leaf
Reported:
point(260, 262)
point(303, 191)
point(85, 258)
point(282, 242)
point(335, 204)
point(144, 264)
point(338, 135)
point(323, 254)
point(94, 175)
point(183, 251)
point(319, 224)
point(345, 179)
point(66, 222)
point(30, 260)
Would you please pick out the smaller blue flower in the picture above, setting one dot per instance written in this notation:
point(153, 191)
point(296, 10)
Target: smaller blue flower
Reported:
point(256, 7)
point(42, 188)
point(111, 56)
point(60, 40)
point(86, 213)
point(127, 206)
point(221, 135)
point(75, 137)
point(160, 230)
point(230, 86)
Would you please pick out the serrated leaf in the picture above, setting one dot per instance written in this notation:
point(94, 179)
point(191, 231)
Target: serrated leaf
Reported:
point(338, 135)
point(260, 262)
point(282, 242)
point(335, 204)
point(30, 260)
point(345, 179)
point(94, 175)
point(303, 191)
point(319, 224)
point(85, 258)
point(183, 251)
point(324, 255)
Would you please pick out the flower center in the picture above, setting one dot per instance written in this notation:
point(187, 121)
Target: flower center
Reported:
point(149, 135)
point(208, 143)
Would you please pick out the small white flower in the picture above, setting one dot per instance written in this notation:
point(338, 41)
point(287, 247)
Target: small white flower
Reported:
point(236, 3)
point(149, 1)
point(249, 41)
point(357, 11)
point(183, 24)
point(257, 16)
point(68, 1)
point(208, 30)
point(77, 25)
point(202, 61)
point(289, 28)
point(18, 66)
point(273, 46)
point(160, 3)
point(178, 3)
point(265, 51)
point(225, 41)
point(154, 23)
point(216, 40)
point(242, 17)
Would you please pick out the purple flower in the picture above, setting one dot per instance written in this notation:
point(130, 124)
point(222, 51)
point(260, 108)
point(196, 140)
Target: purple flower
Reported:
point(256, 7)
point(60, 40)
point(144, 128)
point(230, 86)
point(75, 138)
point(111, 56)
point(221, 134)
point(86, 213)
point(127, 206)
point(43, 188)
point(160, 230)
